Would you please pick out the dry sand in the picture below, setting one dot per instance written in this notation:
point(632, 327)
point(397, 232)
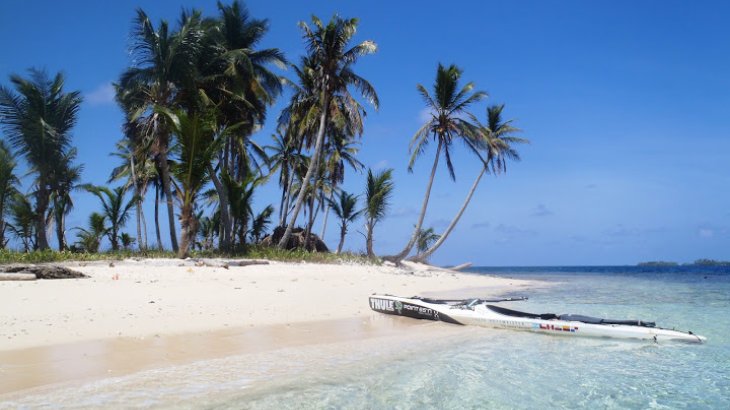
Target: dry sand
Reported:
point(132, 312)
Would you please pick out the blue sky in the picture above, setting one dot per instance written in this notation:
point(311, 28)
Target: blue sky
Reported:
point(627, 105)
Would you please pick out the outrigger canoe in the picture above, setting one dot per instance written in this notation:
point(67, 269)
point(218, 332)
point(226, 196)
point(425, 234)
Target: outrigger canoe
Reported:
point(480, 312)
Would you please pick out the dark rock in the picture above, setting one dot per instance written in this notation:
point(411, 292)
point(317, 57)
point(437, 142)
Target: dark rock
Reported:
point(296, 240)
point(44, 271)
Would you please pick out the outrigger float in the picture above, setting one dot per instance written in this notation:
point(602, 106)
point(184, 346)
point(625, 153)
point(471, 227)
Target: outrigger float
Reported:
point(480, 312)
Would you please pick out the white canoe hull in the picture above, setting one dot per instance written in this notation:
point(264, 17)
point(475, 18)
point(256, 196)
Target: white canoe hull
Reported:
point(481, 315)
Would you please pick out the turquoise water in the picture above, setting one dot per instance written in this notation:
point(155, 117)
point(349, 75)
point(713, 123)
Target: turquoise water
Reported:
point(483, 368)
point(437, 365)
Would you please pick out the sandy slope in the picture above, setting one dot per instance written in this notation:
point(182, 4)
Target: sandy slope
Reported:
point(147, 298)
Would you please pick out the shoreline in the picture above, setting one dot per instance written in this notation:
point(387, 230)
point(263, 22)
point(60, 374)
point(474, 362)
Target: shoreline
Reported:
point(162, 312)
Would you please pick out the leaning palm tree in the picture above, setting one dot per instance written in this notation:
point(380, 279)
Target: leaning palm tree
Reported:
point(37, 118)
point(494, 148)
point(8, 183)
point(115, 210)
point(165, 62)
point(344, 209)
point(378, 191)
point(332, 59)
point(448, 105)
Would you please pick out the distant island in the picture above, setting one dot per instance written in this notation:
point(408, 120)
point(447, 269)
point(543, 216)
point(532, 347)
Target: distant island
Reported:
point(698, 262)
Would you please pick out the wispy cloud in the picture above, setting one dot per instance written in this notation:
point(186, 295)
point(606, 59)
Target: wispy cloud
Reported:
point(541, 210)
point(382, 164)
point(706, 232)
point(480, 225)
point(101, 95)
point(514, 230)
point(591, 186)
point(439, 224)
point(621, 231)
point(403, 211)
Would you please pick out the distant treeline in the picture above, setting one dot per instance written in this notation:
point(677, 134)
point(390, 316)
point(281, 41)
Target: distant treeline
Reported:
point(698, 262)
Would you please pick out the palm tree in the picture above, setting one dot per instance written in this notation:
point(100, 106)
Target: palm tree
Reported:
point(194, 135)
point(425, 239)
point(127, 241)
point(65, 180)
point(377, 194)
point(8, 183)
point(497, 145)
point(340, 151)
point(165, 63)
point(37, 118)
point(89, 240)
point(344, 208)
point(447, 106)
point(114, 209)
point(24, 220)
point(234, 76)
point(328, 51)
point(260, 223)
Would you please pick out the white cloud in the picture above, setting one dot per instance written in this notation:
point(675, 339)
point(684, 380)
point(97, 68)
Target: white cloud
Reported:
point(101, 95)
point(480, 225)
point(380, 165)
point(541, 210)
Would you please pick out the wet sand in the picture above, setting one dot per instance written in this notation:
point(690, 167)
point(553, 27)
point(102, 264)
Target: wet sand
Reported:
point(141, 315)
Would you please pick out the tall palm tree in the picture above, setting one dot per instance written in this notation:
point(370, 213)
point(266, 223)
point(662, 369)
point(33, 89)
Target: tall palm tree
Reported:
point(136, 171)
point(260, 223)
point(37, 118)
point(332, 59)
point(340, 151)
point(8, 184)
point(114, 209)
point(66, 179)
point(194, 133)
point(235, 77)
point(165, 62)
point(448, 105)
point(494, 149)
point(344, 208)
point(378, 191)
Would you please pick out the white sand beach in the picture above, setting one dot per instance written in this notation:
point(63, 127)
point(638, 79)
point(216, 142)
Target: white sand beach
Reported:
point(140, 308)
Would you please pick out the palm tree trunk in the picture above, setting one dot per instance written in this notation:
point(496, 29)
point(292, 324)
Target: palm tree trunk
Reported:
point(423, 256)
point(225, 244)
point(165, 169)
point(188, 225)
point(157, 217)
point(138, 211)
point(400, 256)
point(41, 208)
point(343, 232)
point(287, 202)
point(313, 165)
point(326, 214)
point(369, 239)
point(144, 227)
point(59, 227)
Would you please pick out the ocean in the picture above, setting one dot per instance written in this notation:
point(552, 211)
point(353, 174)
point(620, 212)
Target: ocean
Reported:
point(438, 365)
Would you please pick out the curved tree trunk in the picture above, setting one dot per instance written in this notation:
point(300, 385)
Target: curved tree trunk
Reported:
point(326, 214)
point(313, 166)
point(165, 170)
point(144, 226)
point(400, 256)
point(58, 210)
point(223, 201)
point(423, 256)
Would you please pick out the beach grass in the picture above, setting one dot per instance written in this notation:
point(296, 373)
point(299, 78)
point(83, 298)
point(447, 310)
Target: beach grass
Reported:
point(254, 252)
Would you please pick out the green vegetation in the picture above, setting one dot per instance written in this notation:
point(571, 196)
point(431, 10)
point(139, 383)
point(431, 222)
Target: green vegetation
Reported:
point(658, 263)
point(194, 95)
point(710, 262)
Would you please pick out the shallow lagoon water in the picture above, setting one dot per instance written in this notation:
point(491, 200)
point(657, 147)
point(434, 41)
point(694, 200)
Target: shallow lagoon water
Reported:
point(444, 366)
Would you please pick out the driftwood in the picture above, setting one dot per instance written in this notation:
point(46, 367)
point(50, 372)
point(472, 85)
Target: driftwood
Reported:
point(462, 266)
point(17, 276)
point(42, 271)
